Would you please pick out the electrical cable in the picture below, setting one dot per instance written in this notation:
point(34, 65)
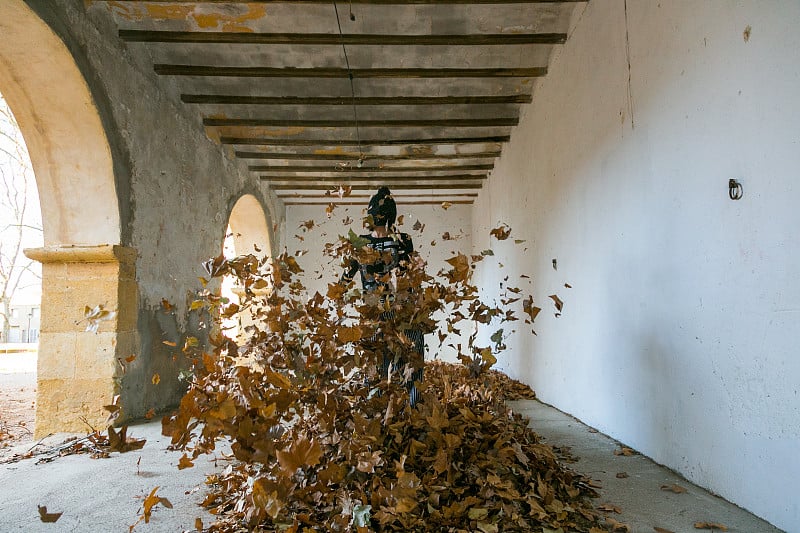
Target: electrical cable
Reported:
point(350, 76)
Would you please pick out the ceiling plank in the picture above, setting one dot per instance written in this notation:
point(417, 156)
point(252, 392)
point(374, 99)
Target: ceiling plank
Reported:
point(359, 170)
point(225, 37)
point(364, 158)
point(414, 123)
point(369, 187)
point(358, 73)
point(334, 196)
point(269, 141)
point(360, 100)
point(374, 2)
point(347, 180)
point(411, 202)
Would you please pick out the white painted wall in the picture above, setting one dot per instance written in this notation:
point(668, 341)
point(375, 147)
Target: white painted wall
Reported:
point(680, 334)
point(319, 271)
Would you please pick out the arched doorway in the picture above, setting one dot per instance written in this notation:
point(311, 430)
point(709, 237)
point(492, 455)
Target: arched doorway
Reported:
point(83, 264)
point(248, 232)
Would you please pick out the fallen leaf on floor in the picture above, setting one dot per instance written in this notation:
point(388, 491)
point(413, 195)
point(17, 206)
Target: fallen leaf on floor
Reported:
point(662, 530)
point(616, 525)
point(710, 525)
point(622, 475)
point(44, 516)
point(609, 508)
point(625, 451)
point(677, 489)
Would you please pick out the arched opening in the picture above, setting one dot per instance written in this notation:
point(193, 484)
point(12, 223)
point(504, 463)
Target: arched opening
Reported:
point(82, 263)
point(247, 232)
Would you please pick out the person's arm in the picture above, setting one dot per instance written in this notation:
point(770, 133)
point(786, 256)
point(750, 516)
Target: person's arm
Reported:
point(349, 272)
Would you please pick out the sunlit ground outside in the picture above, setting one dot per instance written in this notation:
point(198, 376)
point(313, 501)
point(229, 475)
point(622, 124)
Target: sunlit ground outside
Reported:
point(17, 396)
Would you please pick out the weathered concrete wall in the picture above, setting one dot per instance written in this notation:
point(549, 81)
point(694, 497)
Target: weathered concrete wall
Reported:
point(176, 190)
point(320, 271)
point(679, 336)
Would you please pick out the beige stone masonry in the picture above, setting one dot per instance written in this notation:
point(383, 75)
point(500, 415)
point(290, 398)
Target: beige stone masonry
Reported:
point(78, 370)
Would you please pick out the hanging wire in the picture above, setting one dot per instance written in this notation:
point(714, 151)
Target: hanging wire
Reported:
point(350, 76)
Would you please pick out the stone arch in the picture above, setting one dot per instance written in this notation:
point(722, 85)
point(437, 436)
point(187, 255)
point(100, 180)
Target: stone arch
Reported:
point(247, 232)
point(83, 262)
point(250, 227)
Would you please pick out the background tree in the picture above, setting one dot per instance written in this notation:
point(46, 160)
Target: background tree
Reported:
point(20, 220)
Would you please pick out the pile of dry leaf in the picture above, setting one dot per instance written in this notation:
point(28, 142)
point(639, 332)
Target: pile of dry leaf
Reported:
point(324, 443)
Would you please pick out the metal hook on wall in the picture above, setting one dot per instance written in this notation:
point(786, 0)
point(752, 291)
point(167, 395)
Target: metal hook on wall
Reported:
point(735, 190)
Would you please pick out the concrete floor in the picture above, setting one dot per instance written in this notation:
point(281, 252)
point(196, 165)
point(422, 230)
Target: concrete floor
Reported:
point(106, 494)
point(643, 504)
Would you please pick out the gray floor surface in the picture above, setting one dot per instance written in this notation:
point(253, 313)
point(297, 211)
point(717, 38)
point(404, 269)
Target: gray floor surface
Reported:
point(639, 496)
point(105, 495)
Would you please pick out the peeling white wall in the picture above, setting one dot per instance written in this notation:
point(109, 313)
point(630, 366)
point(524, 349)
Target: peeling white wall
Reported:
point(319, 270)
point(680, 334)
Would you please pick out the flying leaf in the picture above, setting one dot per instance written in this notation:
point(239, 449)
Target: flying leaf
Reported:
point(400, 220)
point(558, 302)
point(150, 502)
point(156, 379)
point(130, 358)
point(501, 232)
point(530, 309)
point(308, 225)
point(329, 210)
point(95, 315)
point(301, 453)
point(519, 241)
point(166, 305)
point(487, 252)
point(170, 343)
point(44, 516)
point(347, 221)
point(355, 240)
point(150, 414)
point(446, 205)
point(418, 226)
point(184, 462)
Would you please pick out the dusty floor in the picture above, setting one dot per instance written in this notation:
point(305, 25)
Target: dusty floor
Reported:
point(17, 400)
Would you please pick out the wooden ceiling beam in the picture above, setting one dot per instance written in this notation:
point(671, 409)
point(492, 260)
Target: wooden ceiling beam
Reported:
point(365, 158)
point(232, 99)
point(334, 196)
point(412, 202)
point(163, 69)
point(357, 170)
point(370, 187)
point(350, 123)
point(335, 39)
point(347, 180)
point(269, 141)
point(373, 2)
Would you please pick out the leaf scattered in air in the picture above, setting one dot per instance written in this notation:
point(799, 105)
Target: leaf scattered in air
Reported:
point(95, 315)
point(418, 226)
point(446, 205)
point(156, 379)
point(501, 232)
point(746, 33)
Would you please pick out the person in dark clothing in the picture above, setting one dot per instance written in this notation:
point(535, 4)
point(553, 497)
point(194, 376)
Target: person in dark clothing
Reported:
point(396, 251)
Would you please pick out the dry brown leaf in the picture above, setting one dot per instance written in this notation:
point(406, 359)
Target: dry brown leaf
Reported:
point(156, 379)
point(501, 232)
point(610, 508)
point(44, 516)
point(710, 525)
point(625, 451)
point(150, 413)
point(616, 525)
point(622, 475)
point(446, 205)
point(661, 530)
point(185, 462)
point(677, 489)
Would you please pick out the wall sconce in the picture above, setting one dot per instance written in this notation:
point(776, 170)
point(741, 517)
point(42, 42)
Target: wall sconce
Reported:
point(735, 190)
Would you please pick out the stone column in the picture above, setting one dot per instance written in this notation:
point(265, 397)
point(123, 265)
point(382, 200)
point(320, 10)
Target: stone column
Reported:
point(81, 371)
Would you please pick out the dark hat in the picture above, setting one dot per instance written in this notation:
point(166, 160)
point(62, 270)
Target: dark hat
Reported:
point(382, 208)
